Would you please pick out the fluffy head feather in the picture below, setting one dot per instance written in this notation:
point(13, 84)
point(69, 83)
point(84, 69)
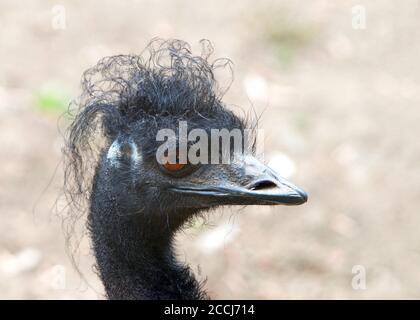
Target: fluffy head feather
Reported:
point(123, 94)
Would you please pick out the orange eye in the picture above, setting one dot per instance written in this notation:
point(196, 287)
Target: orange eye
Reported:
point(173, 166)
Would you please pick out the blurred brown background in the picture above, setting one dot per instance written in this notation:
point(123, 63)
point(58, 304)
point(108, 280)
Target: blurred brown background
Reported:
point(339, 98)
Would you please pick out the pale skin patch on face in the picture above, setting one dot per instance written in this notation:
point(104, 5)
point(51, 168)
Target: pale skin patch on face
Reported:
point(113, 153)
point(120, 149)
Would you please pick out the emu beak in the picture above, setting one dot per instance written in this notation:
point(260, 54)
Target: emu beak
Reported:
point(249, 182)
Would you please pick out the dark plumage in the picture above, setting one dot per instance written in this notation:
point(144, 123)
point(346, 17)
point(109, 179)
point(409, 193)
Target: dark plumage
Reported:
point(134, 207)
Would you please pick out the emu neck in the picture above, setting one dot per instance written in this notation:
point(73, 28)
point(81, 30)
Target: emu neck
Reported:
point(134, 253)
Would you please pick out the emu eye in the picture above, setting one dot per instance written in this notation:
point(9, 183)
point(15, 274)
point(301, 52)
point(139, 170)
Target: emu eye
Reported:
point(175, 168)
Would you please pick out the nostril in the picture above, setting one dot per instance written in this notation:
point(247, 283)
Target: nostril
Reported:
point(262, 184)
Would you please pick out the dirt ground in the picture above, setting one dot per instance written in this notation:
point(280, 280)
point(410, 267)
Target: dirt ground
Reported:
point(340, 111)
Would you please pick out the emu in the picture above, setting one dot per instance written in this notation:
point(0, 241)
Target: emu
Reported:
point(135, 204)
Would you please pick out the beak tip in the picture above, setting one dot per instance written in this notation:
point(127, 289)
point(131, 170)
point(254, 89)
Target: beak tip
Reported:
point(303, 195)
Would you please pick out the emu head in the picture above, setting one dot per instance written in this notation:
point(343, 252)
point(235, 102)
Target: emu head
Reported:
point(135, 102)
